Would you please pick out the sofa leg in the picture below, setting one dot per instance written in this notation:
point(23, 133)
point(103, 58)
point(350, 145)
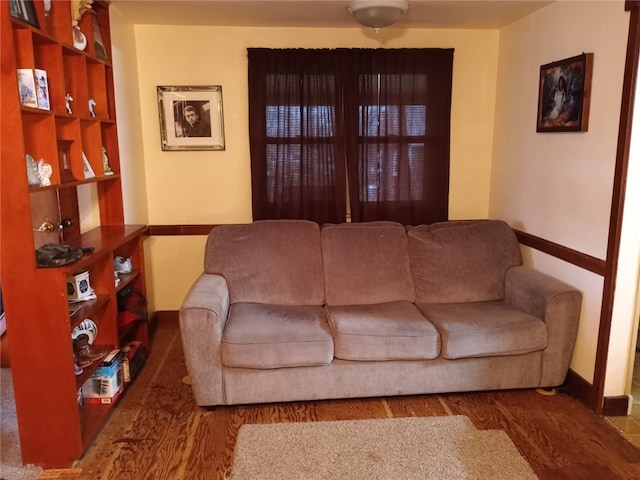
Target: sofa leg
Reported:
point(547, 391)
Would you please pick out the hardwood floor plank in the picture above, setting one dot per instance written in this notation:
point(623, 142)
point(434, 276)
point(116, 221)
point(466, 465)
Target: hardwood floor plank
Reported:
point(349, 409)
point(163, 431)
point(417, 406)
point(157, 432)
point(212, 452)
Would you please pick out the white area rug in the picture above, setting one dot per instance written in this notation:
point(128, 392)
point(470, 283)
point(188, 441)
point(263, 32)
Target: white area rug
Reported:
point(11, 467)
point(438, 448)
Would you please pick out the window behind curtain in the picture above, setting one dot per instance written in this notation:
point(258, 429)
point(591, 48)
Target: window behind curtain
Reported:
point(399, 104)
point(384, 114)
point(297, 156)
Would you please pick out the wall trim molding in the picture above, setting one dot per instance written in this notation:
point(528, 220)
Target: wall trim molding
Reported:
point(567, 254)
point(578, 388)
point(177, 230)
point(167, 315)
point(615, 406)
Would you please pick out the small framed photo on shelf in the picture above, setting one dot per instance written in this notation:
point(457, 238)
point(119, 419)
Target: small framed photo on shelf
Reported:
point(24, 10)
point(42, 89)
point(27, 88)
point(33, 173)
point(100, 49)
point(64, 161)
point(564, 95)
point(191, 117)
point(88, 171)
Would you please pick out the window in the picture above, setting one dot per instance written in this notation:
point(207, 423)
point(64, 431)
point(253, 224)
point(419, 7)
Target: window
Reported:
point(378, 119)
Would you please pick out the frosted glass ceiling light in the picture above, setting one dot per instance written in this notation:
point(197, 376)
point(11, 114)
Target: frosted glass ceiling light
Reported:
point(377, 13)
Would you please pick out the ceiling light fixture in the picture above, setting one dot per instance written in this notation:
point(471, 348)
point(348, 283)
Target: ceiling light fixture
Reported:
point(377, 13)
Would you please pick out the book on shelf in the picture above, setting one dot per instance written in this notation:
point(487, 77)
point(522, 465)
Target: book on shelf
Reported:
point(42, 89)
point(27, 88)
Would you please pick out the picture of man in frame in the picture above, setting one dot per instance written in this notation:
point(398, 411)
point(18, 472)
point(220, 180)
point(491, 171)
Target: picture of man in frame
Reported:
point(192, 118)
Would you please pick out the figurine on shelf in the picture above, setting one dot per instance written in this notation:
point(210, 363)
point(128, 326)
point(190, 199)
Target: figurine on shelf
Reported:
point(105, 163)
point(92, 103)
point(67, 101)
point(44, 171)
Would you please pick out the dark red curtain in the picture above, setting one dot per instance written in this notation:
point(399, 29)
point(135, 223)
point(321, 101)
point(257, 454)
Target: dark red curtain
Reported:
point(380, 115)
point(397, 134)
point(295, 125)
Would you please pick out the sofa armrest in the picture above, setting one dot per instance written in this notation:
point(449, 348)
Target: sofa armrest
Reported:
point(558, 305)
point(203, 315)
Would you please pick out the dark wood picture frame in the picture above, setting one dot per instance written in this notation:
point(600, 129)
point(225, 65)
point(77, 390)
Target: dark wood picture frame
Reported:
point(564, 95)
point(24, 10)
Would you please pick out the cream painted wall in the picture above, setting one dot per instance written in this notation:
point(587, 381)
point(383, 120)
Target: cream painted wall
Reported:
point(132, 158)
point(132, 166)
point(558, 185)
point(214, 187)
point(134, 188)
point(177, 262)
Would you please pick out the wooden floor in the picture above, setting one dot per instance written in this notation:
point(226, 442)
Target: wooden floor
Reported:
point(158, 433)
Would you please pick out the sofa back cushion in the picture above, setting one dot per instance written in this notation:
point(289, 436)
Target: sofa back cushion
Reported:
point(462, 261)
point(268, 261)
point(366, 263)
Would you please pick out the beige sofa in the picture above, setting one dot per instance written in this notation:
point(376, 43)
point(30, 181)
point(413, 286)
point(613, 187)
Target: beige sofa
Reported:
point(287, 310)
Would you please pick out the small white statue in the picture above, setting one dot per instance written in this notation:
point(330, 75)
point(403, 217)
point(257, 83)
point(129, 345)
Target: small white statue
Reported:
point(92, 103)
point(67, 101)
point(105, 163)
point(44, 171)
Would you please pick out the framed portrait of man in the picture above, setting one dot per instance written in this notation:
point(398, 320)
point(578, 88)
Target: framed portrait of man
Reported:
point(191, 117)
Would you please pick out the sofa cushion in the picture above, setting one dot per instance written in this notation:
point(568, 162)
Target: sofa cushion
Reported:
point(366, 263)
point(485, 329)
point(274, 336)
point(270, 261)
point(454, 262)
point(390, 331)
